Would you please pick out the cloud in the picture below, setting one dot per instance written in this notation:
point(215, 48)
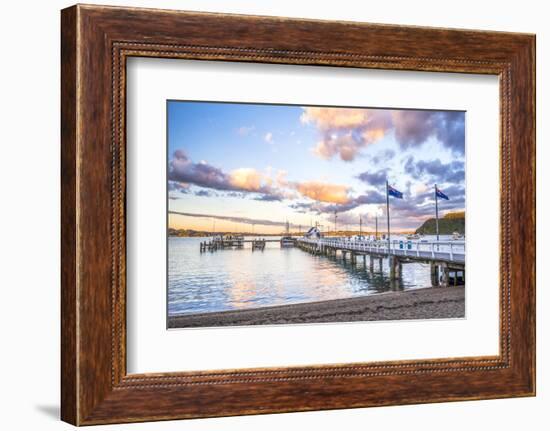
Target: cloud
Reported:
point(280, 178)
point(268, 137)
point(323, 192)
point(246, 179)
point(183, 171)
point(451, 131)
point(236, 195)
point(245, 130)
point(406, 213)
point(176, 189)
point(205, 193)
point(413, 128)
point(326, 197)
point(345, 132)
point(245, 220)
point(412, 211)
point(375, 179)
point(339, 118)
point(268, 198)
point(345, 145)
point(352, 219)
point(383, 156)
point(372, 197)
point(174, 186)
point(436, 171)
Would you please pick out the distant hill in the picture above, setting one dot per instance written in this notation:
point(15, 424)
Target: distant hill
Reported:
point(187, 233)
point(452, 222)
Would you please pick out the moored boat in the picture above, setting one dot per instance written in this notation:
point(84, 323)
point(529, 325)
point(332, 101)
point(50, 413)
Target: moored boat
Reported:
point(287, 241)
point(457, 236)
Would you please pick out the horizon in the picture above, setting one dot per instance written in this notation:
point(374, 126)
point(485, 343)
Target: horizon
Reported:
point(235, 167)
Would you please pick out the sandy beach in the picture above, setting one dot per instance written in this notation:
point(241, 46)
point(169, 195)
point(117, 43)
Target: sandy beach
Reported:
point(428, 303)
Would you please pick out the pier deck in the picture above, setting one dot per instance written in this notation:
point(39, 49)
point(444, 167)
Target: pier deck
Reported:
point(445, 257)
point(442, 251)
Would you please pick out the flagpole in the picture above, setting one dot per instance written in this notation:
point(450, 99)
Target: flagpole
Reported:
point(388, 213)
point(436, 215)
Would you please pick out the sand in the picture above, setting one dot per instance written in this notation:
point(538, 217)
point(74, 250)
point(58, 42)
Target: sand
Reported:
point(428, 303)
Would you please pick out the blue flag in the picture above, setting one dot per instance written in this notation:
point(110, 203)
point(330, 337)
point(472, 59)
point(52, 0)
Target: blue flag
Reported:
point(440, 194)
point(395, 193)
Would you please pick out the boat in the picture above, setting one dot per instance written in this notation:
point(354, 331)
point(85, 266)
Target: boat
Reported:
point(287, 241)
point(233, 240)
point(457, 236)
point(413, 236)
point(313, 233)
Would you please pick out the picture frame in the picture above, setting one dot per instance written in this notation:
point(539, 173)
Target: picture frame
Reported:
point(96, 42)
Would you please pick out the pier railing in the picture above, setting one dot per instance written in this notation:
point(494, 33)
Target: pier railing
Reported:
point(450, 251)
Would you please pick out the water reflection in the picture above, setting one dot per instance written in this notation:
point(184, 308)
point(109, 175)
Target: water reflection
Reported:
point(241, 279)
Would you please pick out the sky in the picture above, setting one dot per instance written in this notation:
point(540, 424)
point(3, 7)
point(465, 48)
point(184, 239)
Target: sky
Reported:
point(252, 167)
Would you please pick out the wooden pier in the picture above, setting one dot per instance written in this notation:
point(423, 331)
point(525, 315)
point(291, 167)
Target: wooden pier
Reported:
point(446, 259)
point(234, 243)
point(258, 244)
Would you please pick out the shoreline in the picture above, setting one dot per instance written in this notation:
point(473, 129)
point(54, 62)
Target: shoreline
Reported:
point(424, 303)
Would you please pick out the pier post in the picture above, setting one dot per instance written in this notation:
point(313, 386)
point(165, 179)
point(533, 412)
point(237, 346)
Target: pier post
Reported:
point(381, 267)
point(445, 275)
point(371, 263)
point(395, 267)
point(434, 274)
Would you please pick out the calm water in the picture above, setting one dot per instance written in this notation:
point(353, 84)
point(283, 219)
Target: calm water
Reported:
point(239, 278)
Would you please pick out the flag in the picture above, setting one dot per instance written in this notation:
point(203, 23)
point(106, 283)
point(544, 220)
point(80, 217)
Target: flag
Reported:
point(440, 194)
point(393, 192)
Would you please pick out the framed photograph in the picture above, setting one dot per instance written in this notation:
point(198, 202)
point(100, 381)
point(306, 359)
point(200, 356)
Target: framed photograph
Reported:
point(325, 171)
point(264, 214)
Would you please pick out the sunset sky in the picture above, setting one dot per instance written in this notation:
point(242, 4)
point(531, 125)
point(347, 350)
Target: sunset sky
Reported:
point(251, 167)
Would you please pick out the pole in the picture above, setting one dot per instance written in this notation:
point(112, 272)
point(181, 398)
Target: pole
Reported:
point(376, 235)
point(388, 213)
point(360, 225)
point(436, 215)
point(335, 217)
